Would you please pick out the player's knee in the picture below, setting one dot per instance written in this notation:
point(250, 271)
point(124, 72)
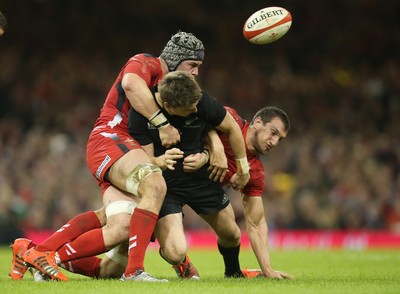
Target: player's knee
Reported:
point(153, 186)
point(174, 254)
point(122, 230)
point(146, 178)
point(118, 228)
point(230, 237)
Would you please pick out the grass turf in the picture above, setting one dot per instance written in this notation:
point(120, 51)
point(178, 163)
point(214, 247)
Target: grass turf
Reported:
point(315, 271)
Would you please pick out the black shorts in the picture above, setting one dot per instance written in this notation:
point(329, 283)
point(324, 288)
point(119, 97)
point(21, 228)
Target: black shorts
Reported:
point(196, 190)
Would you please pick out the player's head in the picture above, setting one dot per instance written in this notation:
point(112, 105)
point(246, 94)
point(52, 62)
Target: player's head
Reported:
point(270, 125)
point(179, 93)
point(180, 48)
point(3, 23)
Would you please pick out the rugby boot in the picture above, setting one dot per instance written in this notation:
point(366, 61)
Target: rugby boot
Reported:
point(18, 266)
point(186, 270)
point(141, 276)
point(252, 273)
point(44, 262)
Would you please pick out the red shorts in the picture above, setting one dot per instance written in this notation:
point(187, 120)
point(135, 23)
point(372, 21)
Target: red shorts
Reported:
point(105, 146)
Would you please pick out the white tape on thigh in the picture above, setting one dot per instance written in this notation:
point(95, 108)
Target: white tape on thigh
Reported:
point(114, 255)
point(120, 206)
point(138, 174)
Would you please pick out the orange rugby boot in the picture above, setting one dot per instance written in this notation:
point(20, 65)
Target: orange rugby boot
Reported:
point(252, 273)
point(44, 262)
point(18, 266)
point(186, 270)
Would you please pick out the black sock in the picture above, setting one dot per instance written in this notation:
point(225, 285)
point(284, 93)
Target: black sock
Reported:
point(231, 260)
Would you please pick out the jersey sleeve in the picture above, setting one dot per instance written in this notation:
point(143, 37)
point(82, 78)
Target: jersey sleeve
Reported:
point(145, 66)
point(240, 121)
point(211, 109)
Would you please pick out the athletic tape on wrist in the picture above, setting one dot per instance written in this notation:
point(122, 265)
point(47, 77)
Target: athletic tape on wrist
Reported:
point(159, 120)
point(244, 165)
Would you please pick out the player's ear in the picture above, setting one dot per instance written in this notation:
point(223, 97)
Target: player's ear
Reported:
point(258, 123)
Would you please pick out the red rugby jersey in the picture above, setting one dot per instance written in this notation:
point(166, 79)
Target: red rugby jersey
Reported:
point(255, 186)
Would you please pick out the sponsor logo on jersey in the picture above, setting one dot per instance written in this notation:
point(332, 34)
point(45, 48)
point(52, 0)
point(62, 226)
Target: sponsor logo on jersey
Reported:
point(225, 199)
point(150, 126)
point(102, 166)
point(189, 121)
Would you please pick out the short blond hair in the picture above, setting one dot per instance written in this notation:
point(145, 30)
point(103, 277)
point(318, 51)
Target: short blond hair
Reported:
point(179, 89)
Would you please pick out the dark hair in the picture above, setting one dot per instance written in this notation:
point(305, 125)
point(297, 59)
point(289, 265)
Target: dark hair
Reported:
point(268, 113)
point(3, 21)
point(179, 89)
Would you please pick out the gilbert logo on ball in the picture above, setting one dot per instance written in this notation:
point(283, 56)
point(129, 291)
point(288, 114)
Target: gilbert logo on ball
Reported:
point(267, 25)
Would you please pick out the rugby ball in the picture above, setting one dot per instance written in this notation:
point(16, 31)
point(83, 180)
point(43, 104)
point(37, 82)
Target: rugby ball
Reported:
point(267, 25)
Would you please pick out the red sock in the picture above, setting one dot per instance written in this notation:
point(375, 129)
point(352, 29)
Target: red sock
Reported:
point(89, 266)
point(88, 244)
point(141, 228)
point(75, 227)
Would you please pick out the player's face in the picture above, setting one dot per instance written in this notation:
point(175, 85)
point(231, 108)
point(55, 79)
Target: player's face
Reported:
point(182, 111)
point(267, 136)
point(190, 66)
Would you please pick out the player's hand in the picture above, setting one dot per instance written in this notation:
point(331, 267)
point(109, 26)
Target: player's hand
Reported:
point(238, 181)
point(278, 275)
point(169, 136)
point(218, 166)
point(193, 162)
point(170, 157)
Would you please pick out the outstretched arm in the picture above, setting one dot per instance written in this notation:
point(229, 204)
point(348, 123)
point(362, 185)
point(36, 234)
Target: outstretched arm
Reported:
point(257, 230)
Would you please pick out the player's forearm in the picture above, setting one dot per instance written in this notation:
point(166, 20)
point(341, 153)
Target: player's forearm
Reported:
point(139, 95)
point(237, 145)
point(258, 236)
point(239, 151)
point(213, 141)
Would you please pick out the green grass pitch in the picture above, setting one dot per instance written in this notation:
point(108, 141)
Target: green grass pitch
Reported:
point(315, 271)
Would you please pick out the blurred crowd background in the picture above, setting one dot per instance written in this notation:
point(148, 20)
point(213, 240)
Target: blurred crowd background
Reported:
point(336, 73)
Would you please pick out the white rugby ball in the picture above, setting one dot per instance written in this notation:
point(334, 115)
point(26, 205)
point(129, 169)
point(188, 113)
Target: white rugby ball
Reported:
point(267, 25)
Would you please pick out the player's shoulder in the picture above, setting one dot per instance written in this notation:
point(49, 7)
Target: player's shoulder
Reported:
point(236, 116)
point(208, 100)
point(145, 58)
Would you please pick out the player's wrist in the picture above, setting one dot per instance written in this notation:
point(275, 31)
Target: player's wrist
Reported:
point(242, 166)
point(207, 156)
point(159, 121)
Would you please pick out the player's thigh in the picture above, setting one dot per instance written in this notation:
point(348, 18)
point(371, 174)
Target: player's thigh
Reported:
point(145, 179)
point(119, 171)
point(113, 194)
